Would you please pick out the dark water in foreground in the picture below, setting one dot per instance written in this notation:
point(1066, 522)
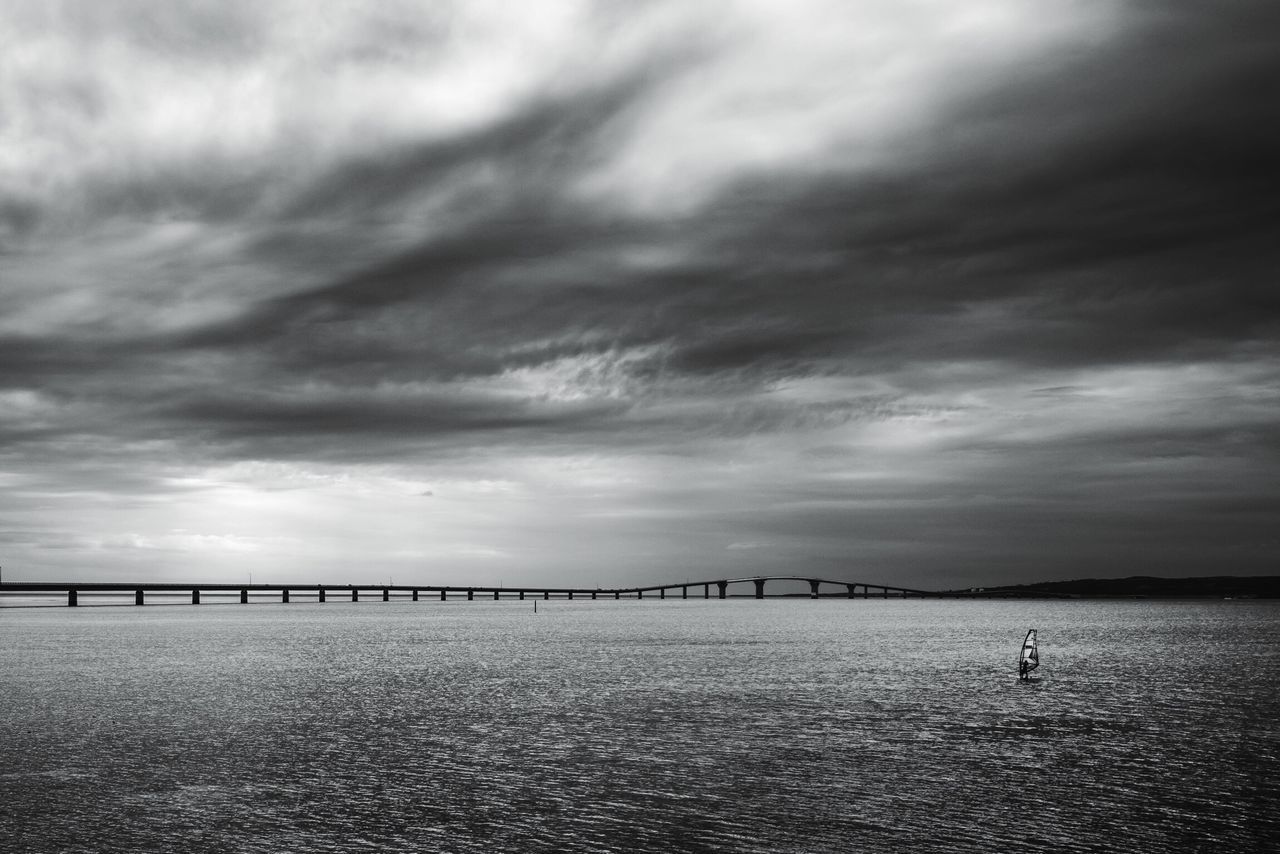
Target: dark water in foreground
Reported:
point(738, 726)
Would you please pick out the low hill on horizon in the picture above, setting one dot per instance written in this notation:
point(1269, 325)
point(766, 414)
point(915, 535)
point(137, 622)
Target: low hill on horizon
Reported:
point(1212, 586)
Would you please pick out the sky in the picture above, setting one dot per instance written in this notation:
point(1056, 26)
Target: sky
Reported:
point(932, 294)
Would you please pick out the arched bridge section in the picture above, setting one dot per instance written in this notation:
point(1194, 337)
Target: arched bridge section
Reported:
point(818, 588)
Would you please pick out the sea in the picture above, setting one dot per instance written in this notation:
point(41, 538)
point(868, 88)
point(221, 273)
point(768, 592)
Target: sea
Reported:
point(778, 725)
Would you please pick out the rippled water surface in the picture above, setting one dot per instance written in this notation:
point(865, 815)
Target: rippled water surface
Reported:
point(735, 726)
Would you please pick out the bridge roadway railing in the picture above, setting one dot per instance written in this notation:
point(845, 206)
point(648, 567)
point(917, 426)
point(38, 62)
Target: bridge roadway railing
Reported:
point(74, 590)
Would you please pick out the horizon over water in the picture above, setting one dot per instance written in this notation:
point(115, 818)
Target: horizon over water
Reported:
point(781, 725)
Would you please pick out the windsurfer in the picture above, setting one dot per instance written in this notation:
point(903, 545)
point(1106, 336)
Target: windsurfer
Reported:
point(1029, 658)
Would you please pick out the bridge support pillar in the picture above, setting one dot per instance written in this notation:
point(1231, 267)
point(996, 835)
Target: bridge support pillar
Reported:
point(813, 590)
point(593, 595)
point(662, 593)
point(471, 594)
point(617, 594)
point(443, 594)
point(884, 592)
point(684, 592)
point(723, 585)
point(570, 594)
point(852, 589)
point(706, 591)
point(521, 595)
point(386, 595)
point(495, 595)
point(137, 597)
point(355, 595)
point(284, 595)
point(415, 594)
point(319, 594)
point(244, 596)
point(195, 597)
point(72, 598)
point(759, 583)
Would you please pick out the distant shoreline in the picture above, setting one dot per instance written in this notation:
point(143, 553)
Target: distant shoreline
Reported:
point(1149, 587)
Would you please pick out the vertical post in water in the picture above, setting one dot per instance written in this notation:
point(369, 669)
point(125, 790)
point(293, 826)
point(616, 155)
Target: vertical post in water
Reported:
point(684, 592)
point(355, 594)
point(415, 594)
point(706, 591)
point(471, 594)
point(244, 596)
point(195, 597)
point(852, 588)
point(386, 595)
point(593, 594)
point(570, 594)
point(723, 585)
point(546, 594)
point(137, 597)
point(759, 583)
point(884, 592)
point(495, 595)
point(617, 594)
point(662, 593)
point(813, 589)
point(443, 594)
point(639, 594)
point(320, 593)
point(521, 595)
point(72, 599)
point(284, 594)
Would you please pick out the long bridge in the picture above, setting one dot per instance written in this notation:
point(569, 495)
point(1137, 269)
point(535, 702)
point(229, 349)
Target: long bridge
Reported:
point(74, 590)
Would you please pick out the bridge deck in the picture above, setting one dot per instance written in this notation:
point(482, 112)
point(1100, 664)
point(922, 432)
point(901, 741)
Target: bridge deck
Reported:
point(846, 589)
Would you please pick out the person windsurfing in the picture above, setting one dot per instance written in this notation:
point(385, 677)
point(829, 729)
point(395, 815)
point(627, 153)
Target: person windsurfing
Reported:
point(1029, 657)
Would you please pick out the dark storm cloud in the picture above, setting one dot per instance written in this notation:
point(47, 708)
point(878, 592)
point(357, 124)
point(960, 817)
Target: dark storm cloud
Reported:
point(516, 220)
point(963, 316)
point(405, 415)
point(1116, 208)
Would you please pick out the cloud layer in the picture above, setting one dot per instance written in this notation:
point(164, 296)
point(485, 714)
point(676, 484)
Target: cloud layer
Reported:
point(597, 293)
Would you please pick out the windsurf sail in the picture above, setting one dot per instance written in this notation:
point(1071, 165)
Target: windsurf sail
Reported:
point(1029, 658)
